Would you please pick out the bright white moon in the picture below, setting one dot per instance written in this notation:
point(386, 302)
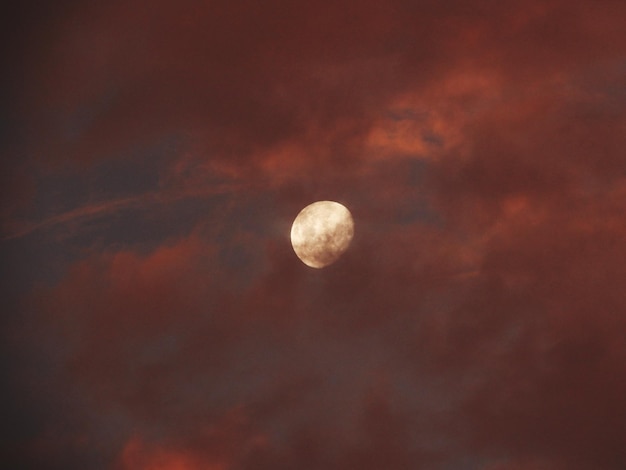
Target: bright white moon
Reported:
point(321, 232)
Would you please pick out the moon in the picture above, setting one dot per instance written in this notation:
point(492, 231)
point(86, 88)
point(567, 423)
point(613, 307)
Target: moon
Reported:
point(321, 233)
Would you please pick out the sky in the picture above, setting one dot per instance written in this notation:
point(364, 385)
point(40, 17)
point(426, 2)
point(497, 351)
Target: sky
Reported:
point(154, 156)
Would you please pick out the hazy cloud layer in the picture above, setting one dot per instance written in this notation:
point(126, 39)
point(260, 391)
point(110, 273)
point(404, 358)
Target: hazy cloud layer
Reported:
point(156, 315)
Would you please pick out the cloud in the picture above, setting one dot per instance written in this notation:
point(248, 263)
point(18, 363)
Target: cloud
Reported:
point(125, 322)
point(220, 444)
point(239, 77)
point(475, 321)
point(86, 213)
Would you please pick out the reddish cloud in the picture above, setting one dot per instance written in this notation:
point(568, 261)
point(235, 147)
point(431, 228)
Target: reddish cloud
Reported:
point(215, 449)
point(475, 321)
point(240, 77)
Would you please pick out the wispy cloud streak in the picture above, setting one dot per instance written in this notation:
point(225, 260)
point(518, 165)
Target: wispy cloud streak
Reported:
point(107, 208)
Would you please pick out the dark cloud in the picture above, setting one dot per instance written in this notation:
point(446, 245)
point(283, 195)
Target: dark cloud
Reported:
point(157, 317)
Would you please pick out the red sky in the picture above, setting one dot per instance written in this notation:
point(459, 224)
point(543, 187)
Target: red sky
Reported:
point(154, 156)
